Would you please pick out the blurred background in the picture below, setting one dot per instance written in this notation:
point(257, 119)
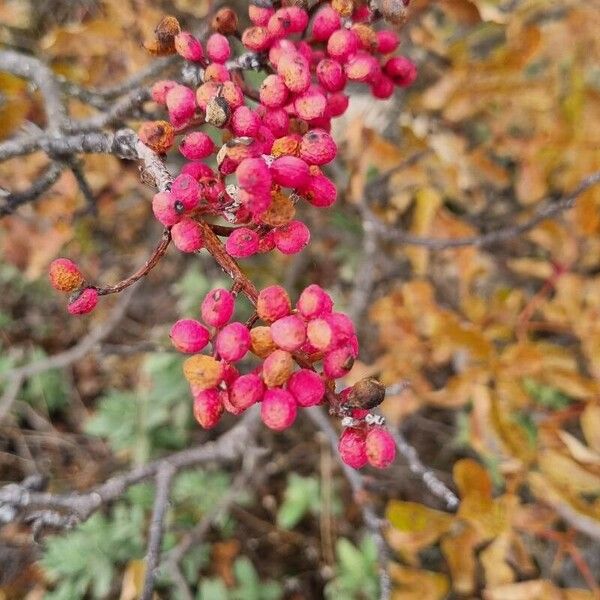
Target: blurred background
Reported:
point(500, 343)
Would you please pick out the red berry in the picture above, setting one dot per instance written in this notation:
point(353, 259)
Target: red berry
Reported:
point(242, 242)
point(83, 302)
point(181, 104)
point(217, 48)
point(208, 407)
point(317, 147)
point(167, 209)
point(187, 235)
point(338, 362)
point(352, 448)
point(273, 303)
point(400, 70)
point(380, 447)
point(307, 387)
point(278, 409)
point(196, 145)
point(188, 46)
point(217, 307)
point(233, 341)
point(189, 336)
point(292, 237)
point(246, 391)
point(186, 189)
point(326, 21)
point(290, 172)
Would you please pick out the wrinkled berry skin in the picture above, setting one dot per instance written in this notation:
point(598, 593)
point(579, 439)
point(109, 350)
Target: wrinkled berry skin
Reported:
point(83, 302)
point(289, 333)
point(278, 409)
point(273, 303)
point(65, 275)
point(261, 342)
point(189, 336)
point(208, 407)
point(203, 372)
point(307, 387)
point(245, 391)
point(233, 342)
point(352, 448)
point(314, 302)
point(187, 235)
point(317, 147)
point(217, 307)
point(242, 242)
point(277, 368)
point(292, 237)
point(380, 447)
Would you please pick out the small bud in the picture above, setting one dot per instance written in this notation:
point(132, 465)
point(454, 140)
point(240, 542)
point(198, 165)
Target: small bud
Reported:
point(83, 301)
point(157, 135)
point(380, 447)
point(233, 341)
point(208, 407)
point(277, 368)
point(273, 303)
point(352, 448)
point(203, 372)
point(189, 336)
point(64, 275)
point(307, 387)
point(187, 235)
point(278, 409)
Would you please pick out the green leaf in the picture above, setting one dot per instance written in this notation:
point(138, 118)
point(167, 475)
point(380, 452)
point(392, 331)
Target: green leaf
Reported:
point(546, 395)
point(301, 496)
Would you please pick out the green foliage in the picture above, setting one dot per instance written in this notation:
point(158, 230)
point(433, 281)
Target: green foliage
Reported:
point(301, 497)
point(249, 587)
point(356, 571)
point(83, 561)
point(546, 395)
point(156, 416)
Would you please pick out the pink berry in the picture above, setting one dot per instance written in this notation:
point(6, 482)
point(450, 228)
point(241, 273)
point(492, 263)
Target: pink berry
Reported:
point(273, 91)
point(382, 88)
point(387, 41)
point(186, 189)
point(314, 302)
point(353, 448)
point(290, 172)
point(259, 15)
point(278, 409)
point(267, 242)
point(342, 44)
point(246, 391)
point(208, 407)
point(256, 203)
point(257, 38)
point(189, 336)
point(181, 104)
point(265, 138)
point(187, 235)
point(338, 362)
point(242, 242)
point(198, 170)
point(317, 147)
point(273, 303)
point(295, 72)
point(342, 326)
point(244, 122)
point(253, 175)
point(330, 74)
point(65, 275)
point(320, 334)
point(307, 387)
point(326, 21)
point(320, 191)
point(292, 237)
point(160, 88)
point(217, 48)
point(206, 92)
point(289, 333)
point(217, 307)
point(311, 104)
point(277, 121)
point(188, 46)
point(298, 19)
point(400, 70)
point(280, 48)
point(216, 72)
point(380, 447)
point(233, 341)
point(363, 67)
point(167, 209)
point(83, 301)
point(196, 145)
point(337, 104)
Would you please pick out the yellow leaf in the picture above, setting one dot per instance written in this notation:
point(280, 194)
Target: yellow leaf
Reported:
point(133, 580)
point(527, 590)
point(459, 551)
point(427, 203)
point(472, 479)
point(579, 451)
point(590, 425)
point(566, 473)
point(417, 584)
point(493, 560)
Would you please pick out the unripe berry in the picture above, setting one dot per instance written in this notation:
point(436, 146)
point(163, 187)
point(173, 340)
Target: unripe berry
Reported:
point(261, 342)
point(198, 170)
point(317, 147)
point(380, 447)
point(232, 94)
point(277, 368)
point(260, 15)
point(330, 74)
point(233, 341)
point(244, 122)
point(295, 72)
point(257, 38)
point(217, 48)
point(189, 336)
point(387, 41)
point(65, 275)
point(277, 121)
point(181, 104)
point(242, 242)
point(342, 44)
point(320, 334)
point(314, 302)
point(167, 209)
point(290, 172)
point(187, 190)
point(208, 407)
point(278, 409)
point(196, 145)
point(83, 301)
point(203, 372)
point(352, 448)
point(187, 235)
point(307, 387)
point(225, 21)
point(217, 307)
point(326, 21)
point(253, 175)
point(157, 135)
point(320, 191)
point(311, 104)
point(188, 46)
point(216, 72)
point(289, 333)
point(338, 362)
point(273, 303)
point(292, 238)
point(382, 88)
point(246, 391)
point(337, 104)
point(159, 90)
point(273, 91)
point(400, 70)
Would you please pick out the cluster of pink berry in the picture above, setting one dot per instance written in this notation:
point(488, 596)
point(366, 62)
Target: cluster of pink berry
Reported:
point(275, 140)
point(65, 276)
point(312, 334)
